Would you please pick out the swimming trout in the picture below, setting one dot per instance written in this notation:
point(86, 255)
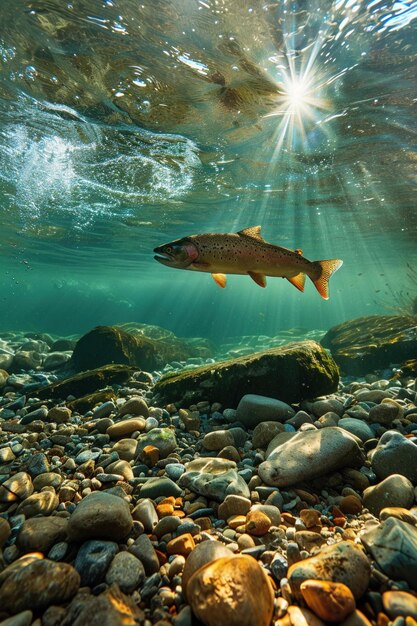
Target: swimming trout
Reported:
point(245, 252)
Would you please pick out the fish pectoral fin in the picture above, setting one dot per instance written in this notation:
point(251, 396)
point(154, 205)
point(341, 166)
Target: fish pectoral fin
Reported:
point(220, 279)
point(259, 279)
point(298, 281)
point(252, 231)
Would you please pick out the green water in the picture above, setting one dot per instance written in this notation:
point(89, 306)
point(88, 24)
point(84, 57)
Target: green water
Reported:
point(126, 124)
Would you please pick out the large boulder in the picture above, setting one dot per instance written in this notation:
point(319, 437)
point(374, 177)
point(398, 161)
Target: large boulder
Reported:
point(370, 343)
point(290, 373)
point(110, 344)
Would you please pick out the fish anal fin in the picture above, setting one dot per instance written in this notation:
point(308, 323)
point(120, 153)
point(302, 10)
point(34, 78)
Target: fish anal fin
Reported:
point(220, 279)
point(327, 269)
point(298, 281)
point(298, 251)
point(252, 231)
point(258, 278)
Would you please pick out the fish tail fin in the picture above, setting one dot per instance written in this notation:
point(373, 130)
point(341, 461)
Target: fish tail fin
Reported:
point(327, 268)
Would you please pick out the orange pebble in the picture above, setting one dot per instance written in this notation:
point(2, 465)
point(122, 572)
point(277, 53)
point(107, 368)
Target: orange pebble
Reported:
point(330, 601)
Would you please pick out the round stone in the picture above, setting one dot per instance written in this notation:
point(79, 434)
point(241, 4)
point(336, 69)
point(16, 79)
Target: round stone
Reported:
point(42, 503)
point(231, 591)
point(44, 583)
point(17, 487)
point(127, 571)
point(125, 427)
point(218, 439)
point(93, 560)
point(253, 409)
point(162, 438)
point(399, 603)
point(343, 562)
point(331, 601)
point(264, 432)
point(204, 553)
point(134, 406)
point(42, 533)
point(395, 454)
point(396, 490)
point(100, 515)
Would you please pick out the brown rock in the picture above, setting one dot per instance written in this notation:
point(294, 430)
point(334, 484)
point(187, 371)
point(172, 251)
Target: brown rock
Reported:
point(331, 601)
point(17, 487)
point(126, 427)
point(43, 503)
point(204, 553)
point(356, 619)
point(41, 533)
point(399, 512)
point(183, 545)
point(307, 539)
point(134, 406)
point(59, 414)
point(351, 504)
point(126, 448)
point(44, 583)
point(257, 523)
point(311, 518)
point(343, 562)
point(232, 591)
point(4, 531)
point(299, 616)
point(264, 432)
point(149, 455)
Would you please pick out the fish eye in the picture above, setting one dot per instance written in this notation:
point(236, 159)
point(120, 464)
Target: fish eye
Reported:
point(168, 249)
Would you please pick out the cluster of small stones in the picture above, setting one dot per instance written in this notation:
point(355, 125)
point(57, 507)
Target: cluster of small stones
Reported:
point(268, 514)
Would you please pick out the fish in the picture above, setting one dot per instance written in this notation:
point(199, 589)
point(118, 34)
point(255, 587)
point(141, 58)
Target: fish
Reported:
point(245, 252)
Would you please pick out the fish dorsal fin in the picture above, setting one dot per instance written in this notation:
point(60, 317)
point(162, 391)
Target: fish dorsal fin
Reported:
point(298, 281)
point(252, 231)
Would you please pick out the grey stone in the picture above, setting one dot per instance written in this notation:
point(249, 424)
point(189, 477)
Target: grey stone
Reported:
point(143, 550)
point(39, 534)
point(310, 454)
point(38, 464)
point(37, 414)
point(127, 571)
point(218, 439)
point(21, 619)
point(395, 490)
point(93, 560)
point(393, 545)
point(214, 478)
point(356, 427)
point(395, 454)
point(253, 409)
point(100, 515)
point(264, 432)
point(159, 486)
point(145, 513)
point(134, 406)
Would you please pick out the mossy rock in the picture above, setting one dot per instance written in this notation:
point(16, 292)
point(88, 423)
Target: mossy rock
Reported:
point(374, 342)
point(111, 344)
point(292, 373)
point(88, 402)
point(86, 382)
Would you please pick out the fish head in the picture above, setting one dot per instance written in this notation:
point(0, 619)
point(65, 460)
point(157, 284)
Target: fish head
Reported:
point(179, 254)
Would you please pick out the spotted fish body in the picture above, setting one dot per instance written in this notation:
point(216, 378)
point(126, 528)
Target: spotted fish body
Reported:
point(245, 252)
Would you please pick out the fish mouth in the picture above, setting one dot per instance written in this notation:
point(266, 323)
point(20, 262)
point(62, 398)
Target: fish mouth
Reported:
point(163, 257)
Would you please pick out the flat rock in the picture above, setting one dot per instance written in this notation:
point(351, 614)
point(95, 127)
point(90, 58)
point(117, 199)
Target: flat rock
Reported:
point(44, 583)
point(86, 382)
point(232, 591)
point(43, 503)
point(143, 549)
point(100, 515)
point(310, 454)
point(17, 487)
point(126, 449)
point(126, 427)
point(393, 544)
point(159, 486)
point(370, 343)
point(342, 562)
point(394, 491)
point(40, 534)
point(395, 454)
point(218, 439)
point(214, 478)
point(399, 603)
point(254, 409)
point(289, 373)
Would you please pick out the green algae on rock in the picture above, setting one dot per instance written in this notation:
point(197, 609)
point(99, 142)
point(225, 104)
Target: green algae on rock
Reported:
point(373, 342)
point(291, 373)
point(85, 383)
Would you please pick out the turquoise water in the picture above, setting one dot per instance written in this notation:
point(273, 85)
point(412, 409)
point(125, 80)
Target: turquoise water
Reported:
point(124, 125)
